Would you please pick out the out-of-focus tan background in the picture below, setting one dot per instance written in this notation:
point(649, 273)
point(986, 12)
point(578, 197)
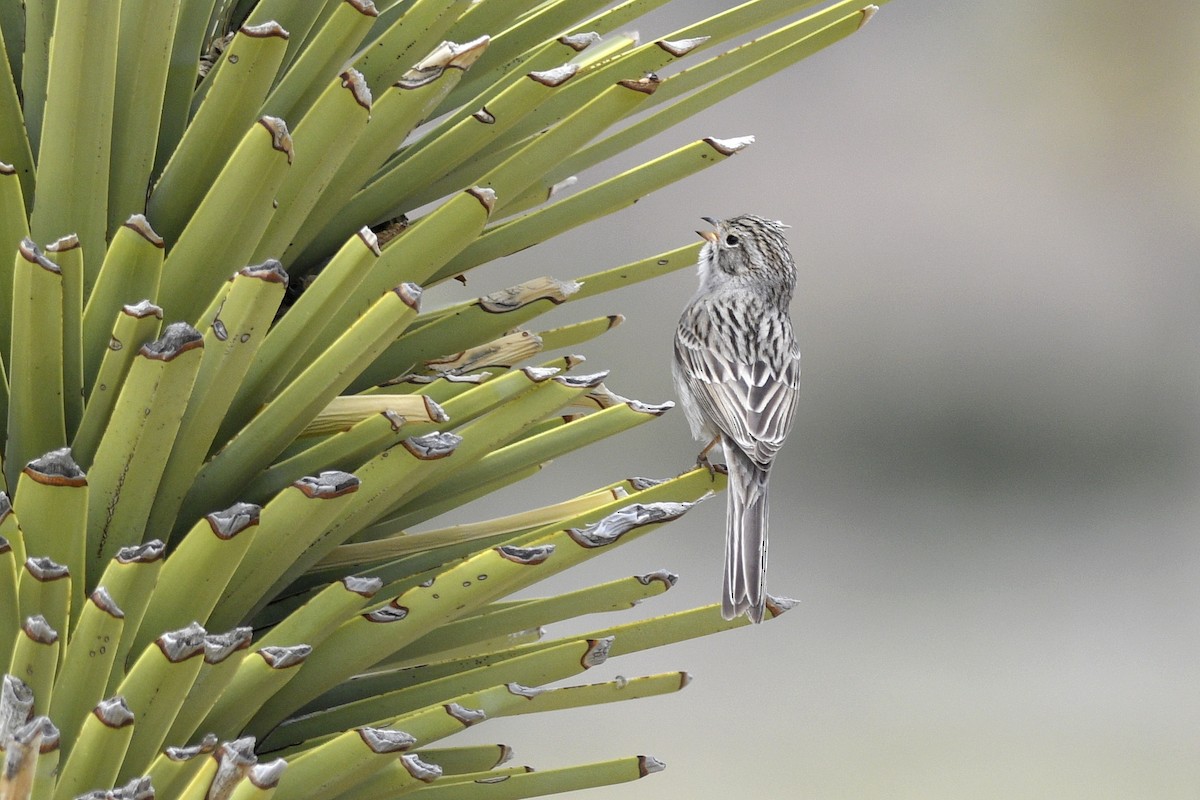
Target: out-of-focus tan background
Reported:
point(988, 507)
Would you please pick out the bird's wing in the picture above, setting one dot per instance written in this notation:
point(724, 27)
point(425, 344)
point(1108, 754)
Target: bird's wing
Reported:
point(751, 402)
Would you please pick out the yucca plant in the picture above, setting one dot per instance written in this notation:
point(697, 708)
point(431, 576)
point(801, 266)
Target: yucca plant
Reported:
point(209, 582)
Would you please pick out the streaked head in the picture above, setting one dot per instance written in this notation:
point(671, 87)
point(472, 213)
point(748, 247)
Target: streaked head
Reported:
point(747, 249)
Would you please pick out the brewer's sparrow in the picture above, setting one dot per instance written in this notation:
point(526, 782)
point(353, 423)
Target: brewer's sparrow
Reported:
point(737, 373)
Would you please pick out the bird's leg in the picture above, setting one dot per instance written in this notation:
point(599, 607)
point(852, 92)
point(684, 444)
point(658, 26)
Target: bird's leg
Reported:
point(702, 459)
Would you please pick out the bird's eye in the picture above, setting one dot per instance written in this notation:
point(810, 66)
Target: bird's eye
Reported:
point(731, 240)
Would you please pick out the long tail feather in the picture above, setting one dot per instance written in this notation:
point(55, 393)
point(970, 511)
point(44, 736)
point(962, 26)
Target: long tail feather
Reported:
point(745, 537)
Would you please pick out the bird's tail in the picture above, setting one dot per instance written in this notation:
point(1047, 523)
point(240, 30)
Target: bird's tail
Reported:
point(745, 537)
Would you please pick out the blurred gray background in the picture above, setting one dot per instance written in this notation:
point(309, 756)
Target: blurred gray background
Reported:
point(988, 505)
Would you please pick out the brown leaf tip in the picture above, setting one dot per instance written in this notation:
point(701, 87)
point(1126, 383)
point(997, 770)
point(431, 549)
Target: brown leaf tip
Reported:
point(867, 12)
point(528, 692)
point(137, 789)
point(485, 196)
point(264, 30)
point(515, 297)
point(220, 646)
point(141, 226)
point(146, 553)
point(366, 587)
point(434, 411)
point(353, 80)
point(7, 169)
point(728, 147)
point(484, 116)
point(365, 7)
point(114, 712)
point(368, 237)
point(284, 657)
point(554, 77)
point(410, 295)
point(142, 309)
point(270, 270)
point(778, 605)
point(667, 577)
point(329, 484)
point(579, 41)
point(266, 776)
point(466, 716)
point(39, 726)
point(529, 556)
point(31, 253)
point(281, 140)
point(582, 381)
point(56, 468)
point(63, 244)
point(386, 740)
point(648, 765)
point(447, 55)
point(464, 55)
point(233, 759)
point(597, 652)
point(432, 445)
point(681, 47)
point(178, 338)
point(392, 612)
point(104, 601)
point(621, 522)
point(39, 630)
point(642, 483)
point(647, 84)
point(205, 746)
point(233, 520)
point(540, 374)
point(421, 770)
point(653, 409)
point(46, 569)
point(180, 645)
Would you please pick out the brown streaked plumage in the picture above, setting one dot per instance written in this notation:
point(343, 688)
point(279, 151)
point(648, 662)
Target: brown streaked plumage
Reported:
point(737, 373)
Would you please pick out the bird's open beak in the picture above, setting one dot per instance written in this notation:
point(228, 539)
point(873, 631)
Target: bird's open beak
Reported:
point(709, 236)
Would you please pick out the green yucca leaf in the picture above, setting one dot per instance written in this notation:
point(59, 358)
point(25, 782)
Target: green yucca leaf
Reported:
point(101, 745)
point(239, 86)
point(220, 232)
point(87, 662)
point(136, 326)
point(60, 493)
point(74, 147)
point(36, 410)
point(133, 453)
point(222, 543)
point(147, 29)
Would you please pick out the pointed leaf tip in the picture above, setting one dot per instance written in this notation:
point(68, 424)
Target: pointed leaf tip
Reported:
point(386, 740)
point(597, 652)
point(579, 41)
point(231, 521)
point(649, 764)
point(728, 147)
point(178, 338)
point(421, 770)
